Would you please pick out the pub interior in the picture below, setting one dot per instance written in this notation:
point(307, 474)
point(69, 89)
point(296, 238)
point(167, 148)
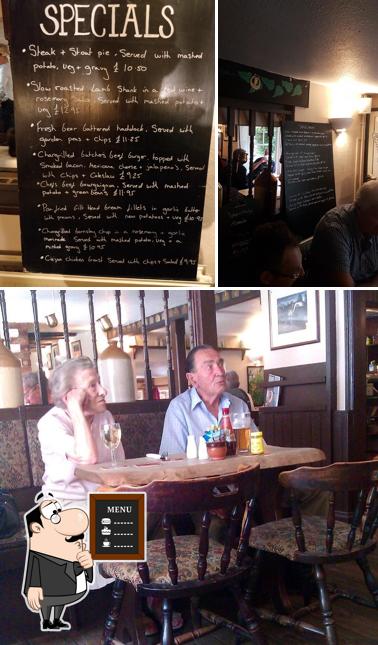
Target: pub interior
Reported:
point(308, 361)
point(296, 127)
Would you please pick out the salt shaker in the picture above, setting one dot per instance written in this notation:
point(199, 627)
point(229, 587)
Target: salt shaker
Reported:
point(202, 449)
point(191, 447)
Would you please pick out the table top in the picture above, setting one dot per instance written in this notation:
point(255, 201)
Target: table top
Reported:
point(142, 471)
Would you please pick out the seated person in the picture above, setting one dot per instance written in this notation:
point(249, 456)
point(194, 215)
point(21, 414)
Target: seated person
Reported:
point(69, 434)
point(276, 256)
point(239, 177)
point(199, 407)
point(232, 387)
point(32, 392)
point(344, 251)
point(262, 163)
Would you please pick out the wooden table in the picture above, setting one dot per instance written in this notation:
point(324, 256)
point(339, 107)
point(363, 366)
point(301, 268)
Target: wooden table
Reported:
point(141, 471)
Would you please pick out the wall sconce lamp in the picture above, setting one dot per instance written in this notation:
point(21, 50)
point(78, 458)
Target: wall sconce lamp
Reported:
point(105, 322)
point(51, 320)
point(340, 124)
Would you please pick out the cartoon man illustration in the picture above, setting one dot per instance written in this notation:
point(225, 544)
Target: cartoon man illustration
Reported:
point(58, 566)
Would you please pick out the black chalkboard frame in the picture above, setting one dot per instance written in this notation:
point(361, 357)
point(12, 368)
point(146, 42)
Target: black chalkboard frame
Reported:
point(140, 555)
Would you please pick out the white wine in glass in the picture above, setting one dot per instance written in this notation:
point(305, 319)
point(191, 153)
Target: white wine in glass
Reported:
point(111, 436)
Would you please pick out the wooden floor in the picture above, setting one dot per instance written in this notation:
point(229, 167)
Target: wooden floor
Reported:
point(357, 625)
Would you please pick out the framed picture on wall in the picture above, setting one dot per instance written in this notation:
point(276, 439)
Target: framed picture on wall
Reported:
point(76, 349)
point(272, 394)
point(293, 317)
point(255, 379)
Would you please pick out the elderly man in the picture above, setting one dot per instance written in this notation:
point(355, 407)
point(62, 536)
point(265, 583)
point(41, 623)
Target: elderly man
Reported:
point(344, 251)
point(201, 405)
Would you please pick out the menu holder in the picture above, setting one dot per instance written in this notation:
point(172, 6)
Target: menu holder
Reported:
point(113, 112)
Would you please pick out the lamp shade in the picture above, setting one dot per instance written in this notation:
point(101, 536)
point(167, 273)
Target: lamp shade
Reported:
point(11, 389)
point(117, 374)
point(340, 123)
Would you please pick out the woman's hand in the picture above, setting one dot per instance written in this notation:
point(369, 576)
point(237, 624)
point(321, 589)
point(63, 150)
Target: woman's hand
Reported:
point(75, 400)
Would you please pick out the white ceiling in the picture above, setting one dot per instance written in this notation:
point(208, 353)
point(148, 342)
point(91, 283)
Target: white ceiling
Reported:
point(318, 40)
point(232, 321)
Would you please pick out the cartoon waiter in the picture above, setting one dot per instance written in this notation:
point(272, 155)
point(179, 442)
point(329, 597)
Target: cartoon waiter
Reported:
point(58, 566)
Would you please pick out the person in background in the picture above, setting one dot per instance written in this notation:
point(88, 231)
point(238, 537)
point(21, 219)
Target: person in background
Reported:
point(239, 177)
point(344, 251)
point(200, 406)
point(233, 387)
point(6, 97)
point(262, 163)
point(276, 256)
point(32, 392)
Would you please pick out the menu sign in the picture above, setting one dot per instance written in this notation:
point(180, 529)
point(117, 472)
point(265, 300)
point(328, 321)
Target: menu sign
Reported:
point(117, 526)
point(308, 172)
point(114, 105)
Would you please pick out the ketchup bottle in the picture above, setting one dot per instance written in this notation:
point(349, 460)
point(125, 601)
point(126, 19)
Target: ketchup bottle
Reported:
point(229, 433)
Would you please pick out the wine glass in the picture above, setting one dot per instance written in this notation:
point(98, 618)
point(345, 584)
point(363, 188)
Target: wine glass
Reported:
point(111, 436)
point(241, 423)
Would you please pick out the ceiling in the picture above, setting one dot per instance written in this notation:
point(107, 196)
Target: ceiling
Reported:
point(316, 40)
point(231, 321)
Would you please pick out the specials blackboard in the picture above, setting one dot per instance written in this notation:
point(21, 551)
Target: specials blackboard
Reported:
point(308, 174)
point(113, 108)
point(117, 526)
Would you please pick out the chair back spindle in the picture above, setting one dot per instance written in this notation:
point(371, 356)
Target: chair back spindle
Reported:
point(170, 548)
point(357, 517)
point(230, 539)
point(330, 522)
point(203, 547)
point(297, 521)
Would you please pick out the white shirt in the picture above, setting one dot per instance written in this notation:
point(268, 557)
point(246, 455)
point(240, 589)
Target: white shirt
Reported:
point(56, 437)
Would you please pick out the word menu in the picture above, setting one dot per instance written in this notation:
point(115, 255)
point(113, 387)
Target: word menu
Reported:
point(113, 106)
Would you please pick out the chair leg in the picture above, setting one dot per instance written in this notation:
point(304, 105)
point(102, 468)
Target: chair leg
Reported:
point(249, 617)
point(194, 612)
point(111, 620)
point(370, 580)
point(325, 605)
point(167, 637)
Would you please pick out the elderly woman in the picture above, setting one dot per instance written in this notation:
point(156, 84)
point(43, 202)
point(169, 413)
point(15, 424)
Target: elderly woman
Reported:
point(69, 433)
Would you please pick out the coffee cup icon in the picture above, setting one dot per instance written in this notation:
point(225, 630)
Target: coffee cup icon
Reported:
point(106, 542)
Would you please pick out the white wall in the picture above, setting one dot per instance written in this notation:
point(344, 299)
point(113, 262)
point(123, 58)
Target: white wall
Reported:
point(340, 349)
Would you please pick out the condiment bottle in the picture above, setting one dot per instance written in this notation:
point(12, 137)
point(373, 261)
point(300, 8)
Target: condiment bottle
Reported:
point(202, 449)
point(229, 433)
point(256, 444)
point(191, 447)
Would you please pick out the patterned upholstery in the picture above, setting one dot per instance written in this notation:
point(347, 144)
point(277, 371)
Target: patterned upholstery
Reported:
point(186, 558)
point(36, 461)
point(14, 469)
point(279, 537)
point(141, 433)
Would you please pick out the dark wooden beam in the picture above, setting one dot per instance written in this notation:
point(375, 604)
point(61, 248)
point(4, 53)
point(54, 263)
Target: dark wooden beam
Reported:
point(203, 317)
point(179, 354)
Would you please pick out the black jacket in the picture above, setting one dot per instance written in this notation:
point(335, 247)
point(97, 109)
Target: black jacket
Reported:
point(56, 576)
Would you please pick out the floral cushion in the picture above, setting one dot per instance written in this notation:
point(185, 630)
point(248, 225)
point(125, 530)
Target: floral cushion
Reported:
point(36, 460)
point(18, 539)
point(141, 433)
point(14, 470)
point(279, 537)
point(186, 559)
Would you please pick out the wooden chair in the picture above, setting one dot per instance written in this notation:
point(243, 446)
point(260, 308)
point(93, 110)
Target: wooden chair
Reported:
point(319, 541)
point(187, 566)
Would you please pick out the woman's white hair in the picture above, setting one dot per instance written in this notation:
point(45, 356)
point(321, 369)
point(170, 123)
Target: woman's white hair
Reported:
point(62, 379)
point(367, 196)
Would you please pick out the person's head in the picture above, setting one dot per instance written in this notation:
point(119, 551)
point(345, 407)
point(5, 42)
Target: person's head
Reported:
point(32, 392)
point(4, 54)
point(56, 532)
point(232, 380)
point(240, 156)
point(78, 373)
point(277, 256)
point(205, 371)
point(367, 208)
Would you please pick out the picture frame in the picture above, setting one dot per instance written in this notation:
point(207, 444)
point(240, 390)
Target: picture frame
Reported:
point(293, 317)
point(76, 350)
point(49, 364)
point(255, 380)
point(54, 355)
point(272, 394)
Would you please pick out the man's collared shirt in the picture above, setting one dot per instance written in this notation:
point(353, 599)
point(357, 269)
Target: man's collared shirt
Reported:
point(188, 414)
point(339, 246)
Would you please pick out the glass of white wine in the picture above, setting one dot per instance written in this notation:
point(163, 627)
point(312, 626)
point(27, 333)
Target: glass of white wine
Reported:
point(111, 436)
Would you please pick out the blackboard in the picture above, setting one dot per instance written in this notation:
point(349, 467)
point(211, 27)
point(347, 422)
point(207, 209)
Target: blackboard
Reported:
point(308, 174)
point(113, 110)
point(117, 526)
point(237, 219)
